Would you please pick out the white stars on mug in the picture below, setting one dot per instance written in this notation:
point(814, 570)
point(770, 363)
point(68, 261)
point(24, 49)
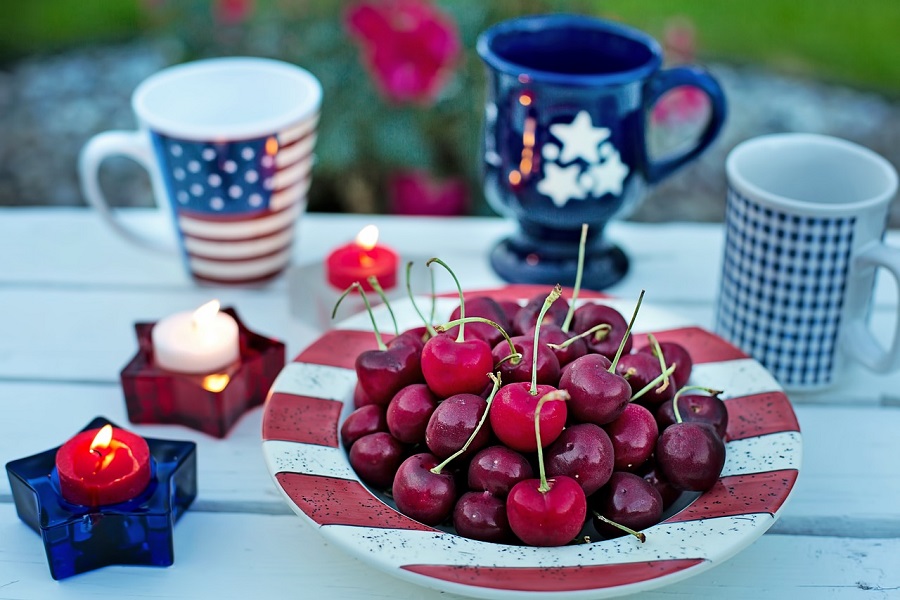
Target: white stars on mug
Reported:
point(595, 168)
point(223, 178)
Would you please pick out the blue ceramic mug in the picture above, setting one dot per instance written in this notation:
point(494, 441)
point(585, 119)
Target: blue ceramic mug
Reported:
point(568, 99)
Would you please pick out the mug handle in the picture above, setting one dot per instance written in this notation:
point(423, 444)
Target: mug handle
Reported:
point(691, 76)
point(134, 145)
point(859, 340)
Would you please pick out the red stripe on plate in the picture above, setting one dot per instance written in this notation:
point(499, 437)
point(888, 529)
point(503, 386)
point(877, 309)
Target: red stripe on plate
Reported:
point(333, 501)
point(741, 495)
point(555, 579)
point(760, 414)
point(339, 348)
point(292, 418)
point(702, 345)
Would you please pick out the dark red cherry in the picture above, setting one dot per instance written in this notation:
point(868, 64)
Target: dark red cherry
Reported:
point(605, 342)
point(375, 458)
point(496, 469)
point(628, 500)
point(526, 317)
point(641, 369)
point(547, 363)
point(583, 452)
point(409, 411)
point(633, 435)
point(690, 455)
point(674, 353)
point(482, 516)
point(551, 333)
point(695, 408)
point(452, 423)
point(362, 421)
point(421, 494)
point(487, 308)
point(597, 396)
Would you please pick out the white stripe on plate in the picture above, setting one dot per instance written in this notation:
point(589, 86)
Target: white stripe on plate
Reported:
point(245, 269)
point(235, 230)
point(736, 378)
point(316, 381)
point(292, 154)
point(292, 175)
point(772, 452)
point(397, 547)
point(298, 131)
point(240, 249)
point(309, 459)
point(289, 196)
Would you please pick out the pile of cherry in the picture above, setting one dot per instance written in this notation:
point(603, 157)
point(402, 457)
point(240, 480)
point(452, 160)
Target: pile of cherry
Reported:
point(537, 424)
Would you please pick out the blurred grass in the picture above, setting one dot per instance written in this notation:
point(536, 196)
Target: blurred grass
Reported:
point(855, 43)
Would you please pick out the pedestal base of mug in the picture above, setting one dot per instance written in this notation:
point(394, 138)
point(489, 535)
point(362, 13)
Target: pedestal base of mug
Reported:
point(520, 261)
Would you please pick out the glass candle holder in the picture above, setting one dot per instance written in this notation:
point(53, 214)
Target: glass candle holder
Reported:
point(211, 403)
point(81, 538)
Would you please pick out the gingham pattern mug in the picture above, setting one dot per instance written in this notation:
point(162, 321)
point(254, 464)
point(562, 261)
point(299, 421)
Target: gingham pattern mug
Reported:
point(805, 218)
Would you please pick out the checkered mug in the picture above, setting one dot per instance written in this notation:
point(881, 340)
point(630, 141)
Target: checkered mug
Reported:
point(228, 144)
point(805, 218)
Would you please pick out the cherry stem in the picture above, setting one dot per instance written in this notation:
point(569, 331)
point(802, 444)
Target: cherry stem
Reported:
point(462, 300)
point(451, 324)
point(554, 396)
point(373, 281)
point(552, 297)
point(412, 299)
point(664, 376)
point(690, 388)
point(578, 274)
point(612, 367)
point(637, 534)
point(596, 328)
point(490, 399)
point(657, 350)
point(357, 286)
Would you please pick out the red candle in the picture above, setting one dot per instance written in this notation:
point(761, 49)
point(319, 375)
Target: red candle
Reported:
point(103, 466)
point(361, 259)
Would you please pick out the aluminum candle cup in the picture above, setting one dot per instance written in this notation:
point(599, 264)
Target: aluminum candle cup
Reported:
point(804, 224)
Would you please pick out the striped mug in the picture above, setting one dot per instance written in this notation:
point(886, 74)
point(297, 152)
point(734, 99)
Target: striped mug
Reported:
point(805, 219)
point(228, 145)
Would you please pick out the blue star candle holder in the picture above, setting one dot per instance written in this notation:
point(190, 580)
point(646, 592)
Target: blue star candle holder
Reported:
point(211, 403)
point(81, 538)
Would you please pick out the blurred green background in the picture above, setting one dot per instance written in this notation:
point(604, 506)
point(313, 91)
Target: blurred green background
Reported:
point(365, 140)
point(852, 42)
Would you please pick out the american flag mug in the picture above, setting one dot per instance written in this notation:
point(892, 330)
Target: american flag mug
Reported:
point(228, 143)
point(805, 218)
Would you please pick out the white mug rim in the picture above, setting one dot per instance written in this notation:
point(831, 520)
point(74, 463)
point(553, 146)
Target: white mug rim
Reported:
point(741, 184)
point(302, 110)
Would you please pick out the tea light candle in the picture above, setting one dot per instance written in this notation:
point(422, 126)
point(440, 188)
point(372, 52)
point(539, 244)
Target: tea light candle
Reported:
point(361, 259)
point(203, 341)
point(103, 466)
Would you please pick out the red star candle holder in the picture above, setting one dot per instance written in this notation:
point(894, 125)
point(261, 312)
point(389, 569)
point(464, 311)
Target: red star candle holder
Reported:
point(208, 402)
point(111, 502)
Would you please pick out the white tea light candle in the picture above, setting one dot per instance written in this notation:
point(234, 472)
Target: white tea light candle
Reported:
point(200, 341)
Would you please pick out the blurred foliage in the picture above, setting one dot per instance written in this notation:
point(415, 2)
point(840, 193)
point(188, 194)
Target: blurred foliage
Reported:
point(364, 138)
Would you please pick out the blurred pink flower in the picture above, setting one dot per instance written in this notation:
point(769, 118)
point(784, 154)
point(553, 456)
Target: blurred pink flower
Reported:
point(232, 12)
point(683, 104)
point(409, 47)
point(418, 193)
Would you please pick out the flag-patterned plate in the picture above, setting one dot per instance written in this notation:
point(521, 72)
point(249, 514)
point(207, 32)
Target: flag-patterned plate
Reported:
point(313, 395)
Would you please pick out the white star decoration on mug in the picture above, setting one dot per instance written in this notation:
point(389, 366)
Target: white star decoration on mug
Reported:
point(600, 172)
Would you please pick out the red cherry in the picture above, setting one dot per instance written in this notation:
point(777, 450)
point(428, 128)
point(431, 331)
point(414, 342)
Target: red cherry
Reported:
point(512, 416)
point(453, 367)
point(546, 518)
point(420, 493)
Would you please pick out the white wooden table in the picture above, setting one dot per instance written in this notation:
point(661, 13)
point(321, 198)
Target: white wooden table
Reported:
point(70, 292)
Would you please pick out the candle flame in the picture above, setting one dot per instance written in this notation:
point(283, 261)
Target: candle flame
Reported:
point(102, 439)
point(205, 314)
point(367, 238)
point(216, 382)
